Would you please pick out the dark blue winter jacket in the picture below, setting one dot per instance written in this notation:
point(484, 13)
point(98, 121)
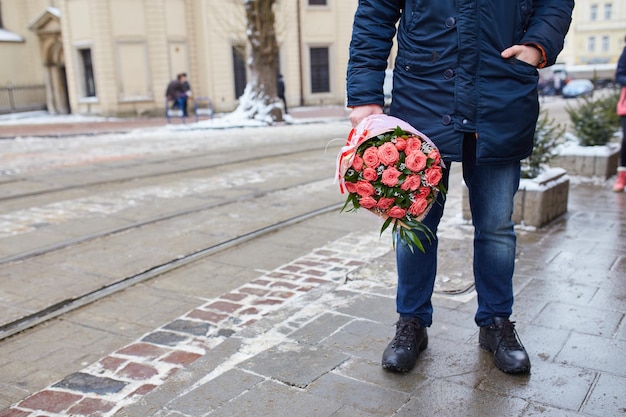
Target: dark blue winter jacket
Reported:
point(449, 77)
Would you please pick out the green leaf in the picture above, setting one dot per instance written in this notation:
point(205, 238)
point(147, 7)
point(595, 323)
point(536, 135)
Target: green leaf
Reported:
point(348, 200)
point(386, 225)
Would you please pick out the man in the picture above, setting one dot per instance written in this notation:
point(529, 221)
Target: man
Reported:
point(465, 75)
point(187, 87)
point(177, 94)
point(280, 90)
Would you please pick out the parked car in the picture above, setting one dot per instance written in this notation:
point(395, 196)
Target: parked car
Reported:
point(578, 88)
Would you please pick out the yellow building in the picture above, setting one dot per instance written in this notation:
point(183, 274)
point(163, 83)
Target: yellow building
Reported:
point(116, 57)
point(595, 39)
point(597, 32)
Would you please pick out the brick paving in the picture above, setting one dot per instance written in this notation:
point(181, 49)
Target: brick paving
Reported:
point(126, 375)
point(307, 338)
point(322, 354)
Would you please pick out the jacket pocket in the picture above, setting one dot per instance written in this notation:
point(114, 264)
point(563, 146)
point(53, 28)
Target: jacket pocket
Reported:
point(523, 68)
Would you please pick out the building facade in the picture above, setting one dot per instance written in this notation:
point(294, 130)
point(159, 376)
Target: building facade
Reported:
point(116, 57)
point(597, 33)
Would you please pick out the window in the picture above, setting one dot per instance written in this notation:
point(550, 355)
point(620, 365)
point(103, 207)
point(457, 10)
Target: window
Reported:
point(320, 82)
point(5, 35)
point(133, 72)
point(317, 2)
point(239, 69)
point(88, 81)
point(605, 44)
point(593, 13)
point(608, 10)
point(591, 44)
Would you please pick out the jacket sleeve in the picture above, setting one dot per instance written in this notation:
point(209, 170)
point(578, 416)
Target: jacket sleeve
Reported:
point(620, 72)
point(549, 23)
point(372, 36)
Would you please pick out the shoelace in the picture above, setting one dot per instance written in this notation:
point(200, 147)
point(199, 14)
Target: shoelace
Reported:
point(405, 334)
point(508, 337)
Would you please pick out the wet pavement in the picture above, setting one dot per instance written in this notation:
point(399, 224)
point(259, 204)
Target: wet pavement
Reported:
point(306, 338)
point(324, 359)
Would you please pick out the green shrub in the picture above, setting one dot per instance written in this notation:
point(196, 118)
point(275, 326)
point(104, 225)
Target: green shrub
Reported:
point(608, 105)
point(592, 121)
point(548, 137)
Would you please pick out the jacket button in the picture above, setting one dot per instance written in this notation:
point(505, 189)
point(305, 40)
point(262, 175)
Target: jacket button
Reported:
point(407, 68)
point(446, 119)
point(450, 22)
point(449, 73)
point(465, 121)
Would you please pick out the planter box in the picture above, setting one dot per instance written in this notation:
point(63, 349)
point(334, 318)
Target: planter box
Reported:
point(538, 201)
point(589, 161)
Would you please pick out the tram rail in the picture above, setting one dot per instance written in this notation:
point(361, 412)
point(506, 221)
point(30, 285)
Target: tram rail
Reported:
point(82, 239)
point(177, 168)
point(74, 303)
point(124, 179)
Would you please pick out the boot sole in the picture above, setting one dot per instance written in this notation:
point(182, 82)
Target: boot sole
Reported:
point(394, 368)
point(521, 370)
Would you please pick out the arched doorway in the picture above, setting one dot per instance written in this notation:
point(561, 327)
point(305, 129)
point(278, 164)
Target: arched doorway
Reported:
point(58, 95)
point(48, 28)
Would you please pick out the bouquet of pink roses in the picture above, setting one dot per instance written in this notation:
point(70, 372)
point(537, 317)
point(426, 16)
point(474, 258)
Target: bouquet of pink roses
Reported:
point(393, 170)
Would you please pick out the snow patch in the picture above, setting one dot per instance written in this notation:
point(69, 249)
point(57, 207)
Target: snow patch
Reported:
point(6, 36)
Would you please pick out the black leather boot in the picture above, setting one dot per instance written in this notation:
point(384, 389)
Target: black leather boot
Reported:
point(401, 354)
point(502, 340)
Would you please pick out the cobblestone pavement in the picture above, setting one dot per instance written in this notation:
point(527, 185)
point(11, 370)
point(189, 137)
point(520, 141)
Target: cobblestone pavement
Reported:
point(306, 337)
point(122, 376)
point(323, 355)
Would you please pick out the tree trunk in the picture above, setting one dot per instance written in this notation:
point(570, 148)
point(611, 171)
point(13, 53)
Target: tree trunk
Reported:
point(260, 100)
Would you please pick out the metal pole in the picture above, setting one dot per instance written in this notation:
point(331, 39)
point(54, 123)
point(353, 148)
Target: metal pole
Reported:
point(10, 89)
point(300, 55)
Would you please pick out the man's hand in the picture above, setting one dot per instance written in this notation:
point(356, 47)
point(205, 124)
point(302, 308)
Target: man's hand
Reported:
point(528, 54)
point(361, 112)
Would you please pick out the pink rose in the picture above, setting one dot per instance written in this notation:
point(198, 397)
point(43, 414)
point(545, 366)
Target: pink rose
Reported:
point(397, 212)
point(384, 203)
point(418, 206)
point(416, 161)
point(433, 175)
point(412, 182)
point(370, 174)
point(435, 156)
point(388, 154)
point(400, 144)
point(370, 157)
point(364, 188)
point(367, 202)
point(413, 144)
point(357, 163)
point(390, 177)
point(351, 187)
point(423, 192)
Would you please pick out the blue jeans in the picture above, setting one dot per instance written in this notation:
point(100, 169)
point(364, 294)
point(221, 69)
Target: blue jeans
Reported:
point(182, 104)
point(491, 192)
